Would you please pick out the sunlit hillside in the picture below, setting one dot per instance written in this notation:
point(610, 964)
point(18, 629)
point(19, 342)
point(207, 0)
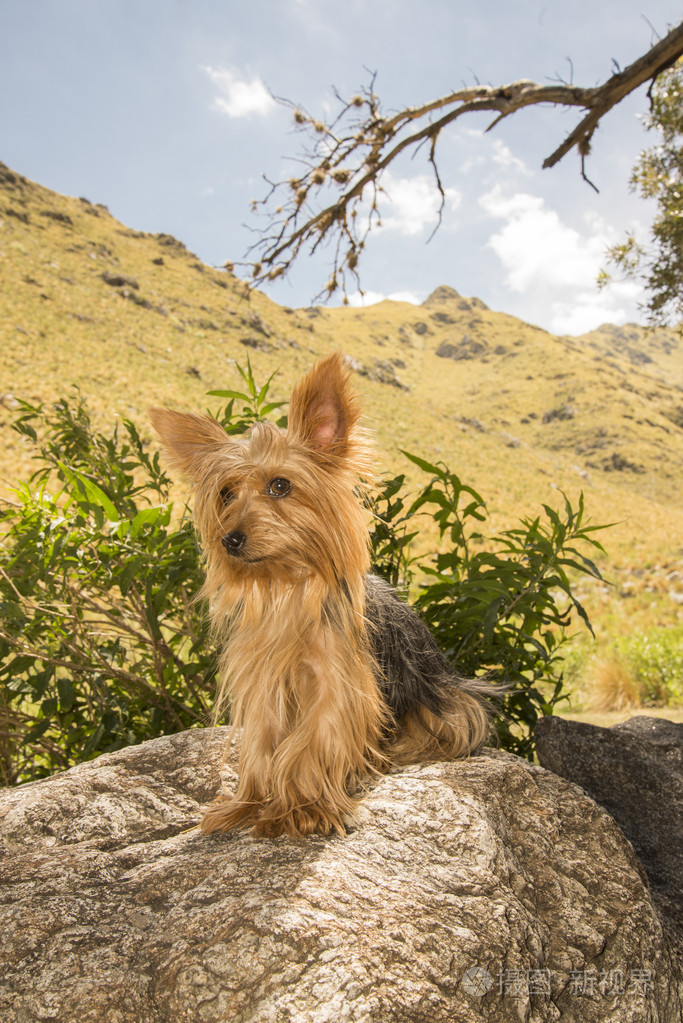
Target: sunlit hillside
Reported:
point(135, 319)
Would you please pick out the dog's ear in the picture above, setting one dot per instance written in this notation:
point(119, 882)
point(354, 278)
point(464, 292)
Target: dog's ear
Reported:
point(188, 439)
point(324, 408)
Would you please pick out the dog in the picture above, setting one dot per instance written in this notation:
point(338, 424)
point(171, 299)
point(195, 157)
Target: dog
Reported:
point(330, 675)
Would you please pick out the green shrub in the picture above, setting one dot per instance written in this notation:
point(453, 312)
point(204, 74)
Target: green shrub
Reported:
point(102, 644)
point(497, 605)
point(654, 660)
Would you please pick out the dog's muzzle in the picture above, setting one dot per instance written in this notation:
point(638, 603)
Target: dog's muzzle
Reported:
point(234, 543)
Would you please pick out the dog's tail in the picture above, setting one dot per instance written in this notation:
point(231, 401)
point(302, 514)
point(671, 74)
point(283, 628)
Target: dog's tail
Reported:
point(461, 725)
point(437, 714)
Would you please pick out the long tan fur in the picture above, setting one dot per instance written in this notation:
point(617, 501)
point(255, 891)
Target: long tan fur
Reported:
point(288, 607)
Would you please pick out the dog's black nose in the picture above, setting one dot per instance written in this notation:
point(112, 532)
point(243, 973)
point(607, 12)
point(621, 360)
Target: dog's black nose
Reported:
point(234, 542)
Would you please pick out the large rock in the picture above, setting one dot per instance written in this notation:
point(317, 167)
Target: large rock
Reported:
point(482, 890)
point(465, 348)
point(634, 770)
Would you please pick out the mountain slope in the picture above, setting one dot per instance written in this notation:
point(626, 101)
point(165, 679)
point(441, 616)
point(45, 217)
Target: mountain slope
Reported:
point(135, 319)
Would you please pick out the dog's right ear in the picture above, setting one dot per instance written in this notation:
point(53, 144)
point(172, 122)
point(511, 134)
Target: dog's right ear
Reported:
point(188, 439)
point(323, 410)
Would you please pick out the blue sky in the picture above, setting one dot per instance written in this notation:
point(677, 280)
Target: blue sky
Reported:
point(161, 110)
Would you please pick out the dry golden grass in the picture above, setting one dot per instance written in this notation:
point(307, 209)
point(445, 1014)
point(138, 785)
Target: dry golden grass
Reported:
point(613, 687)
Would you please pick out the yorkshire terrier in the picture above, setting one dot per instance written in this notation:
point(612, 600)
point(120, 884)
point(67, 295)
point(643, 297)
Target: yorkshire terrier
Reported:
point(331, 676)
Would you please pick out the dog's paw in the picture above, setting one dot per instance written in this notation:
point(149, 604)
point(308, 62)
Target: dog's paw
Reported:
point(299, 821)
point(226, 813)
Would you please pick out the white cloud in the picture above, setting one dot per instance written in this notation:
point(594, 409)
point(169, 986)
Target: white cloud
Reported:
point(535, 247)
point(555, 265)
point(503, 156)
point(488, 155)
point(589, 309)
point(413, 297)
point(373, 297)
point(411, 205)
point(238, 97)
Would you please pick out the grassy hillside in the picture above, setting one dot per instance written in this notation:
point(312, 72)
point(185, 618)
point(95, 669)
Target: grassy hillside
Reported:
point(134, 319)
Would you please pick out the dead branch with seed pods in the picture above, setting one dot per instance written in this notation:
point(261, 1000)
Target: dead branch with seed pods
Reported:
point(334, 199)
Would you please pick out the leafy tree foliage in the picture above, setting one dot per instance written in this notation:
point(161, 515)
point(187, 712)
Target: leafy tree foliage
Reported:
point(658, 175)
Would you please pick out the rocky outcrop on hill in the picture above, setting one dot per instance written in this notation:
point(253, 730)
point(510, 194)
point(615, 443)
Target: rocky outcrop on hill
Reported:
point(488, 889)
point(444, 294)
point(465, 348)
point(381, 371)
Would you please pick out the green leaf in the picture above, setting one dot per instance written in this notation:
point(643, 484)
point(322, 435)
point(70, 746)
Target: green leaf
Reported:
point(267, 409)
point(490, 619)
point(240, 395)
point(248, 377)
point(90, 490)
point(264, 390)
point(425, 466)
point(66, 693)
point(157, 516)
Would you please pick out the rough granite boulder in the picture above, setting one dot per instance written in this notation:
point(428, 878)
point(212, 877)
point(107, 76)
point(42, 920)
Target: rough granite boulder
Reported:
point(634, 770)
point(488, 889)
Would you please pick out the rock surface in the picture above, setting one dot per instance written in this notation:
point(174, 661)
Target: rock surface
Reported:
point(634, 770)
point(482, 890)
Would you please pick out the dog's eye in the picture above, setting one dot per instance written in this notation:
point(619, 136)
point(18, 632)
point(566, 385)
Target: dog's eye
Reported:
point(279, 487)
point(226, 495)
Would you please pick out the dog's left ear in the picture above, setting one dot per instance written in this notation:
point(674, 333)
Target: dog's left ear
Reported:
point(189, 439)
point(324, 408)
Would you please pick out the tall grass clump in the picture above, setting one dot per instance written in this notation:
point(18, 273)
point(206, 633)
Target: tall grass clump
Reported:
point(644, 669)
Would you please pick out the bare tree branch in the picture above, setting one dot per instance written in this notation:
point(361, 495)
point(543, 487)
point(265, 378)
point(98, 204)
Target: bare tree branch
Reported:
point(662, 55)
point(336, 195)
